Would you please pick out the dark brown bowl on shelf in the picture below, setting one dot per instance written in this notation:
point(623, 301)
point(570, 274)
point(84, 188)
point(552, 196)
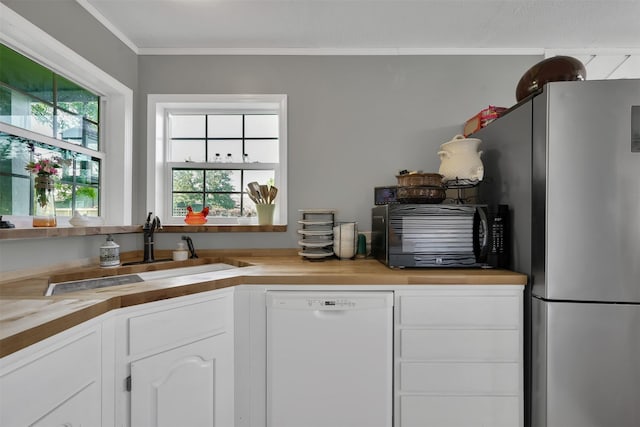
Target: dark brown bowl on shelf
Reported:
point(555, 69)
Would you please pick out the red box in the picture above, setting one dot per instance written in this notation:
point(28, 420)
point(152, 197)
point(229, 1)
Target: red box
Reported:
point(482, 119)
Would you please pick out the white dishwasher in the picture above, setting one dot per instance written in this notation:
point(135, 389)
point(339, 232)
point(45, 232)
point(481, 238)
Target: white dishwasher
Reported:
point(329, 359)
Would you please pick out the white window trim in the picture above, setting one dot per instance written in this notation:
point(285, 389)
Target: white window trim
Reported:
point(159, 106)
point(116, 174)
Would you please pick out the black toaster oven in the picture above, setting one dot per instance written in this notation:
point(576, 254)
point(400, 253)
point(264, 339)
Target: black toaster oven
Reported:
point(439, 235)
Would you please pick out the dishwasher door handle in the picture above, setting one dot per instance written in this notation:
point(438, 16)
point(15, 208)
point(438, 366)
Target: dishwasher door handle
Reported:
point(329, 313)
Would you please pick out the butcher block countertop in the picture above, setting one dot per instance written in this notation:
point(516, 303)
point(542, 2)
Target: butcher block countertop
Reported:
point(27, 316)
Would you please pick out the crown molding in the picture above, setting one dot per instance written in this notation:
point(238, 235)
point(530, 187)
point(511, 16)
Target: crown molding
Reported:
point(109, 26)
point(341, 51)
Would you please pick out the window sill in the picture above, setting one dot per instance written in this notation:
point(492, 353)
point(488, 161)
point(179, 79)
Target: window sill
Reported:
point(222, 228)
point(46, 232)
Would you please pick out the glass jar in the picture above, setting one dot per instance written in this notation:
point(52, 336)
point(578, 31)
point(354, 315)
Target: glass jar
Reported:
point(44, 207)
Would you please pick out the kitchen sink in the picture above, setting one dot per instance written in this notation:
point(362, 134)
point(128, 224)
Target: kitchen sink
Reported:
point(125, 279)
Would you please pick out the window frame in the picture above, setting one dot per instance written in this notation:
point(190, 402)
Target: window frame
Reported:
point(159, 183)
point(116, 108)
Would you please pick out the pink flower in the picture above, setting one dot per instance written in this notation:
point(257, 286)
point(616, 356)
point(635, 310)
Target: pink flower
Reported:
point(46, 166)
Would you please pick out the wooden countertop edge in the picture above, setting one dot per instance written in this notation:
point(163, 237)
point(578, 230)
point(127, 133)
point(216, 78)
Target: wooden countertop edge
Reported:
point(52, 327)
point(260, 273)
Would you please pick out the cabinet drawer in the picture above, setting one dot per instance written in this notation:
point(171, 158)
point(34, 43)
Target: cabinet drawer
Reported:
point(460, 345)
point(461, 378)
point(174, 326)
point(42, 383)
point(459, 310)
point(460, 411)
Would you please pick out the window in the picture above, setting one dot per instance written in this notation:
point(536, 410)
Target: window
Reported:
point(43, 115)
point(91, 147)
point(211, 147)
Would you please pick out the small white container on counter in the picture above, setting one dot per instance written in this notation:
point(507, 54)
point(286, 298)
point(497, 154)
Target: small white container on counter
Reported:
point(181, 253)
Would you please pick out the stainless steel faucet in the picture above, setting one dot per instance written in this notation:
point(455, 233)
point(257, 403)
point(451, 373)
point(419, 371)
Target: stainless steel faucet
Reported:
point(192, 249)
point(150, 226)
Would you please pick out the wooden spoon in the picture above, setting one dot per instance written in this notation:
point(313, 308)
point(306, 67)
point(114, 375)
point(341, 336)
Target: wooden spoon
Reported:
point(264, 193)
point(254, 188)
point(273, 192)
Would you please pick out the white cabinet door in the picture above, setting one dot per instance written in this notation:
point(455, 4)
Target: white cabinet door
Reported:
point(56, 382)
point(185, 386)
point(181, 362)
point(81, 410)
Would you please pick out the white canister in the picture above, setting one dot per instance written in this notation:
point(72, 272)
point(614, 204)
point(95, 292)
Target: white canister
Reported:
point(109, 253)
point(180, 254)
point(460, 159)
point(345, 240)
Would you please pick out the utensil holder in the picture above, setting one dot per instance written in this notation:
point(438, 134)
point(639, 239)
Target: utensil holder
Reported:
point(265, 213)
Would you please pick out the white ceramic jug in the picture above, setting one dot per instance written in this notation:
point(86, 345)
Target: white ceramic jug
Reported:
point(460, 159)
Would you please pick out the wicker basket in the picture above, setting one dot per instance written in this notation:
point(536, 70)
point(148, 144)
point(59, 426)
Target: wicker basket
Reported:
point(420, 188)
point(420, 179)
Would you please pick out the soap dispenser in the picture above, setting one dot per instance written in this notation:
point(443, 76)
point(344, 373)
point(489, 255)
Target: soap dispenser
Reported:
point(180, 254)
point(109, 253)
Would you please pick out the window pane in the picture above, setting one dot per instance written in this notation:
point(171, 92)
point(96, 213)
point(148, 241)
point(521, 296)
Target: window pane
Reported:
point(40, 119)
point(261, 126)
point(263, 177)
point(87, 200)
point(86, 170)
point(248, 207)
point(188, 180)
point(182, 200)
point(224, 126)
point(15, 195)
point(223, 180)
point(25, 112)
point(84, 201)
point(14, 154)
point(76, 100)
point(90, 135)
point(187, 150)
point(224, 148)
point(187, 126)
point(27, 76)
point(262, 150)
point(223, 204)
point(69, 127)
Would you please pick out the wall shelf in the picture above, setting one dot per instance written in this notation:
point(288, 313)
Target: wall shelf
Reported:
point(47, 232)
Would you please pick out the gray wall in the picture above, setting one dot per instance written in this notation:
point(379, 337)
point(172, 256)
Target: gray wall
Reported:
point(354, 121)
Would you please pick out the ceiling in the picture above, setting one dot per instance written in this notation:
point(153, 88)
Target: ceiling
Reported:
point(579, 27)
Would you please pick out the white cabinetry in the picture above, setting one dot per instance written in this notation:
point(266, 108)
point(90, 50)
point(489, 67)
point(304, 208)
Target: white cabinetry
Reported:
point(56, 382)
point(178, 357)
point(458, 357)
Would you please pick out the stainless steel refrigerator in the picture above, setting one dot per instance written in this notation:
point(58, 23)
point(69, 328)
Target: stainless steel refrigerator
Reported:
point(567, 162)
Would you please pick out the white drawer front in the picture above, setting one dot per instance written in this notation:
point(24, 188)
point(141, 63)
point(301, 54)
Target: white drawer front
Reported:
point(462, 378)
point(460, 345)
point(178, 325)
point(459, 411)
point(459, 310)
